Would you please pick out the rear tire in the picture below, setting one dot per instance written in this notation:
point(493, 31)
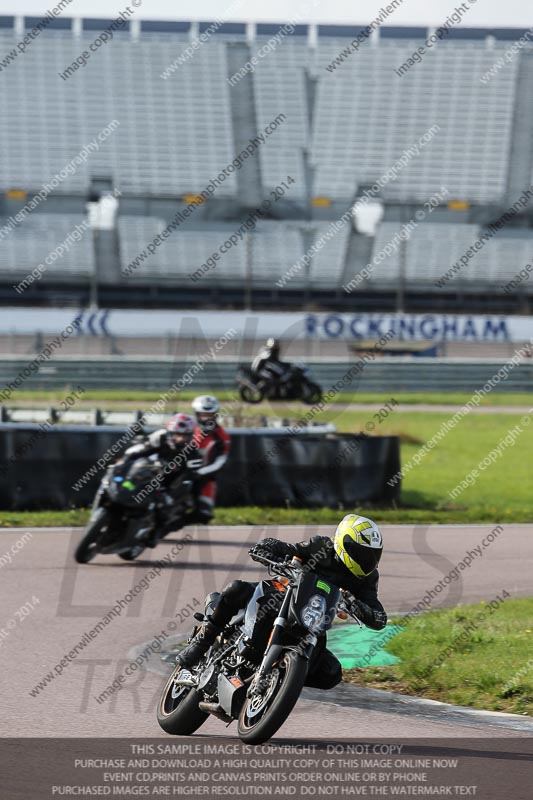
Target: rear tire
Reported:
point(291, 681)
point(180, 715)
point(88, 548)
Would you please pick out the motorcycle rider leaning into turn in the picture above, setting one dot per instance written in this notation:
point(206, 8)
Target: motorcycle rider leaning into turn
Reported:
point(268, 365)
point(172, 446)
point(200, 446)
point(349, 561)
point(212, 444)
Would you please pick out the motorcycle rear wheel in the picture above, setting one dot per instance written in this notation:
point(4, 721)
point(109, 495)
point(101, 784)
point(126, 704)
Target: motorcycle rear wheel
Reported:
point(178, 712)
point(257, 726)
point(88, 548)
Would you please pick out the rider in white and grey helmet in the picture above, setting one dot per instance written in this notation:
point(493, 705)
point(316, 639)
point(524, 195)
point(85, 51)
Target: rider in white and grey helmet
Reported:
point(212, 444)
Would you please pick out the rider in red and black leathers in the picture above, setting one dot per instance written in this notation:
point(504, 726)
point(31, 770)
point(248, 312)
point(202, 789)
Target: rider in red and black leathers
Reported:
point(212, 446)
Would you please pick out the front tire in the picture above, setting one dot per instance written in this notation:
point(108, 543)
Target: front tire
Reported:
point(249, 395)
point(89, 547)
point(257, 724)
point(311, 393)
point(132, 554)
point(178, 712)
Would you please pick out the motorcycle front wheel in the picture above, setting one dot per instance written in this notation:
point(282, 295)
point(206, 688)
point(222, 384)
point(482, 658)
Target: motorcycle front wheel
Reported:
point(178, 712)
point(263, 714)
point(311, 393)
point(132, 553)
point(250, 395)
point(89, 547)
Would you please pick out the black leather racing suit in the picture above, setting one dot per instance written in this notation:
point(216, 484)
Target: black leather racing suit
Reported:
point(325, 670)
point(175, 462)
point(268, 365)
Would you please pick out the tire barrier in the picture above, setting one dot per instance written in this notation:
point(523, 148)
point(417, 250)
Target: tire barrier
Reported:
point(60, 467)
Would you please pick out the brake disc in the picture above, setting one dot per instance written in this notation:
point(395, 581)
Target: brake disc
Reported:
point(259, 700)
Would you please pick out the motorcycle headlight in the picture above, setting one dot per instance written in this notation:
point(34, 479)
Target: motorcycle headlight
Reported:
point(314, 613)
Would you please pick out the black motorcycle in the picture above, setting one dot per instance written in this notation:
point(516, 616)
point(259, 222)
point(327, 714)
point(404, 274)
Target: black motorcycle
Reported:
point(127, 512)
point(296, 385)
point(256, 669)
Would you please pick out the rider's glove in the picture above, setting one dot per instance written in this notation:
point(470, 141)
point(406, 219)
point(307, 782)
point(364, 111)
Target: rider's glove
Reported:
point(380, 620)
point(371, 617)
point(270, 548)
point(274, 546)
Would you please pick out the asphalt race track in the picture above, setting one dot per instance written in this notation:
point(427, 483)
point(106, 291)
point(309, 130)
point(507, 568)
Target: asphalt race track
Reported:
point(49, 603)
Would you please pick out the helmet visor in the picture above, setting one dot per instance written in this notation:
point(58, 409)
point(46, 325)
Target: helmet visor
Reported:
point(206, 421)
point(178, 440)
point(360, 560)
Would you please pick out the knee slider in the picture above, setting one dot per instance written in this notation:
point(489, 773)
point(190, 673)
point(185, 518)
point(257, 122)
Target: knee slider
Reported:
point(332, 675)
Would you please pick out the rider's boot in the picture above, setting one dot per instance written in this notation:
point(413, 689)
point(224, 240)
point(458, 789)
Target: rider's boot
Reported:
point(202, 641)
point(204, 511)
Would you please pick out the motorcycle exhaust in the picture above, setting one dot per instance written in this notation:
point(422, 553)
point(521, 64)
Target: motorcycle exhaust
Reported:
point(216, 710)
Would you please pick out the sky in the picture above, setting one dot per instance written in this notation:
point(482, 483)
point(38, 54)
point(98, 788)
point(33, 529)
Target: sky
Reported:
point(482, 13)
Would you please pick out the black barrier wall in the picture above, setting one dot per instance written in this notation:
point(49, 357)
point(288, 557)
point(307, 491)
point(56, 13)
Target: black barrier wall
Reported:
point(56, 468)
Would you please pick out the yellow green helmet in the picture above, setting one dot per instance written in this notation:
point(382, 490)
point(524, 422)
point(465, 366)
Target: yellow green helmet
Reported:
point(358, 544)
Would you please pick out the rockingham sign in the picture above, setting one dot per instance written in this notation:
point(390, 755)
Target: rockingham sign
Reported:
point(419, 327)
point(259, 325)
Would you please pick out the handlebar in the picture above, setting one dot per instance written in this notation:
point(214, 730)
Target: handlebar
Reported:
point(291, 566)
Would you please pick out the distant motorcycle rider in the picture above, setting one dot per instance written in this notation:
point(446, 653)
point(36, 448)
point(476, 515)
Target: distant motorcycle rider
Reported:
point(268, 366)
point(350, 561)
point(212, 445)
point(174, 447)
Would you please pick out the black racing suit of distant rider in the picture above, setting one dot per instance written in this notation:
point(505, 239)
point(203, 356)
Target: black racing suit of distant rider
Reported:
point(325, 670)
point(269, 366)
point(174, 464)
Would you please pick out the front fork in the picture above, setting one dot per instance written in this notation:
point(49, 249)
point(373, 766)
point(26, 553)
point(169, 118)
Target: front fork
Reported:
point(275, 648)
point(97, 502)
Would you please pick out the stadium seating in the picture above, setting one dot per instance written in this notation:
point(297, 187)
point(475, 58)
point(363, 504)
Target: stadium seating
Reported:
point(367, 116)
point(179, 255)
point(327, 265)
point(174, 136)
point(434, 248)
point(37, 238)
point(344, 129)
point(280, 87)
point(272, 249)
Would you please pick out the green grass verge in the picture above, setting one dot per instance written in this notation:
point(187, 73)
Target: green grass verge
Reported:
point(278, 516)
point(114, 397)
point(503, 491)
point(455, 657)
point(73, 518)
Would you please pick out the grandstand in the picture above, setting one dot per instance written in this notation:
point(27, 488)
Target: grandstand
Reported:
point(161, 134)
point(38, 239)
point(434, 247)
